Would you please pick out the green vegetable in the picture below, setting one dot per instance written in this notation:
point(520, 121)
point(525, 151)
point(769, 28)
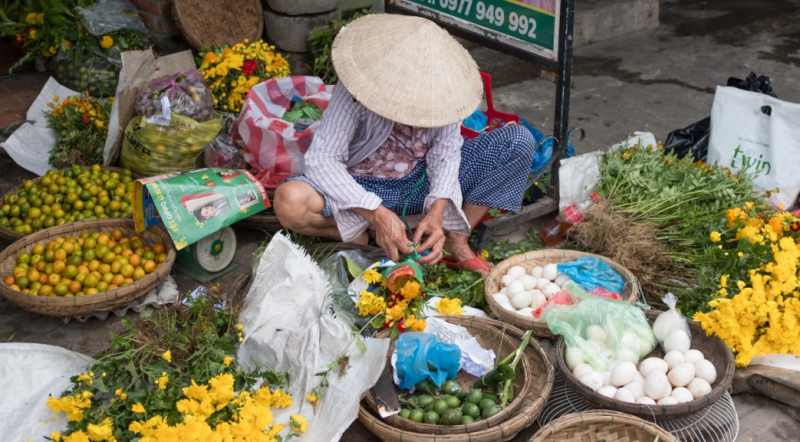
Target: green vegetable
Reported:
point(432, 418)
point(451, 387)
point(302, 109)
point(424, 400)
point(474, 396)
point(405, 413)
point(452, 401)
point(451, 417)
point(490, 411)
point(486, 403)
point(500, 374)
point(440, 406)
point(471, 410)
point(417, 415)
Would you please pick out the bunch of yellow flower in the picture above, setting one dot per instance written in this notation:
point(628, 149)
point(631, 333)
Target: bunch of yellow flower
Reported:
point(232, 71)
point(398, 311)
point(81, 127)
point(761, 314)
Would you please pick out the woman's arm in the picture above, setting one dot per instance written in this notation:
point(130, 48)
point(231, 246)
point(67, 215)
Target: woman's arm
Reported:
point(444, 162)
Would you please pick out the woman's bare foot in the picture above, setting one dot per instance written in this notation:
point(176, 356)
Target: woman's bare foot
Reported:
point(458, 247)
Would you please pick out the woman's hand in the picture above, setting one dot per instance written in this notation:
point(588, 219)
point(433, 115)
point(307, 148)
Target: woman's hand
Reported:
point(390, 232)
point(431, 226)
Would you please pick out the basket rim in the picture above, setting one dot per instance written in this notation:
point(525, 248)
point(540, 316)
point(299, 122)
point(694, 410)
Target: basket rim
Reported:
point(600, 416)
point(10, 236)
point(723, 384)
point(24, 300)
point(539, 327)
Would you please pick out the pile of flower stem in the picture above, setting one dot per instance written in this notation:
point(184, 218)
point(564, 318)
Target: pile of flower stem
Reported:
point(679, 201)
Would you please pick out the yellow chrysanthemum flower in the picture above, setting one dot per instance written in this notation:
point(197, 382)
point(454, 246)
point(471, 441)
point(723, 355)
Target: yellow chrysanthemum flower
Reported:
point(715, 236)
point(167, 355)
point(138, 408)
point(448, 306)
point(372, 276)
point(106, 42)
point(227, 361)
point(298, 423)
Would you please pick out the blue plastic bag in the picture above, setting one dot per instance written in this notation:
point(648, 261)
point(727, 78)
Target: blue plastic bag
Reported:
point(421, 356)
point(544, 149)
point(477, 121)
point(590, 272)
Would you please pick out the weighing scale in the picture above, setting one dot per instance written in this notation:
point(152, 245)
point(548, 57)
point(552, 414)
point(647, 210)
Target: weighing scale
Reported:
point(209, 258)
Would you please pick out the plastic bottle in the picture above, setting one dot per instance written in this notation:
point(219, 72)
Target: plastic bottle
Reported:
point(553, 233)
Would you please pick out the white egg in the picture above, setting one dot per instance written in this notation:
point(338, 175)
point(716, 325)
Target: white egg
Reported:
point(537, 299)
point(699, 388)
point(608, 355)
point(681, 375)
point(573, 357)
point(639, 379)
point(536, 272)
point(629, 355)
point(550, 272)
point(581, 369)
point(636, 389)
point(677, 340)
point(528, 281)
point(515, 287)
point(645, 347)
point(592, 379)
point(607, 378)
point(504, 290)
point(550, 290)
point(542, 283)
point(651, 364)
point(669, 400)
point(595, 332)
point(673, 358)
point(599, 345)
point(693, 356)
point(562, 280)
point(657, 385)
point(607, 391)
point(521, 299)
point(682, 395)
point(645, 401)
point(623, 374)
point(516, 271)
point(507, 306)
point(501, 298)
point(624, 395)
point(527, 312)
point(506, 280)
point(705, 370)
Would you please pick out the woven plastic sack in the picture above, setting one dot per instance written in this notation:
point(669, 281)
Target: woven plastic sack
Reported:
point(150, 148)
point(421, 356)
point(272, 146)
point(186, 93)
point(628, 336)
point(591, 272)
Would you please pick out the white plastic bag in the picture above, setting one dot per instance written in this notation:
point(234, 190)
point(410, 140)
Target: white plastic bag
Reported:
point(670, 320)
point(744, 137)
point(577, 178)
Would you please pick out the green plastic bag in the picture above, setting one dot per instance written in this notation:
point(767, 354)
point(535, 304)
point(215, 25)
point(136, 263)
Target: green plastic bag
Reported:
point(155, 149)
point(624, 327)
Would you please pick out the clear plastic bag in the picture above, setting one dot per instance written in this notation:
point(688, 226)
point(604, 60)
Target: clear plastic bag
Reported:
point(154, 149)
point(94, 73)
point(186, 92)
point(670, 320)
point(591, 272)
point(221, 153)
point(420, 356)
point(107, 16)
point(604, 331)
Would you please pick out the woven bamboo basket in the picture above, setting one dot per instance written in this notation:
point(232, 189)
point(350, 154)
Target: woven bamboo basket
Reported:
point(219, 22)
point(70, 307)
point(714, 349)
point(540, 258)
point(525, 415)
point(490, 337)
point(604, 425)
point(9, 236)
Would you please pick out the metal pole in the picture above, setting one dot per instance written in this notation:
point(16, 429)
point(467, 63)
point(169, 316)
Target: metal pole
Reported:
point(563, 85)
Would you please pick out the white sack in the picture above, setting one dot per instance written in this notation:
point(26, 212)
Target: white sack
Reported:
point(743, 137)
point(289, 327)
point(577, 178)
point(29, 373)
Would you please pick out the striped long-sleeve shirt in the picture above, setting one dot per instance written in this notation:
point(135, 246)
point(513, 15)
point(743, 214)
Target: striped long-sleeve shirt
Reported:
point(348, 135)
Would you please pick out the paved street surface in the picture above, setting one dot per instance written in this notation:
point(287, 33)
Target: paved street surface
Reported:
point(657, 80)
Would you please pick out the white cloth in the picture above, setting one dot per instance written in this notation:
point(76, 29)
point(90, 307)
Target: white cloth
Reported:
point(289, 327)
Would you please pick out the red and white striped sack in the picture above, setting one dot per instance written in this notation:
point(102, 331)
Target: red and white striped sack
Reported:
point(272, 146)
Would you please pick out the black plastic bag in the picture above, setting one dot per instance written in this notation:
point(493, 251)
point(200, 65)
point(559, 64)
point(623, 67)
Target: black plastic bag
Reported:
point(693, 139)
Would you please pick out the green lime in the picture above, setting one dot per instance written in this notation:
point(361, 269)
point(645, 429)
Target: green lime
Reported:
point(432, 418)
point(470, 409)
point(486, 403)
point(452, 401)
point(474, 397)
point(405, 413)
point(423, 400)
point(451, 387)
point(490, 411)
point(465, 420)
point(440, 406)
point(451, 417)
point(417, 415)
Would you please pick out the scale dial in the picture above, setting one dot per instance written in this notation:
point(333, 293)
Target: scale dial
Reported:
point(216, 251)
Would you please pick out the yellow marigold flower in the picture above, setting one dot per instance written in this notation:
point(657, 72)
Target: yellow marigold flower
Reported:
point(31, 18)
point(78, 436)
point(101, 432)
point(167, 355)
point(84, 377)
point(136, 427)
point(195, 391)
point(372, 276)
point(394, 314)
point(312, 398)
point(106, 42)
point(298, 423)
point(414, 324)
point(239, 326)
point(227, 361)
point(448, 306)
point(715, 236)
point(410, 290)
point(210, 57)
point(485, 253)
point(626, 155)
point(740, 254)
point(723, 281)
point(281, 399)
point(56, 437)
point(138, 408)
point(161, 383)
point(55, 98)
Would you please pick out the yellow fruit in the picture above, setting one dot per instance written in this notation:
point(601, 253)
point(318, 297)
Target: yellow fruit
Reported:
point(135, 260)
point(54, 279)
point(14, 287)
point(127, 270)
point(115, 266)
point(112, 287)
point(117, 280)
point(149, 266)
point(9, 280)
point(103, 238)
point(91, 280)
point(91, 291)
point(94, 265)
point(102, 286)
point(45, 290)
point(75, 287)
point(116, 234)
point(82, 270)
point(59, 266)
point(161, 257)
point(109, 257)
point(104, 268)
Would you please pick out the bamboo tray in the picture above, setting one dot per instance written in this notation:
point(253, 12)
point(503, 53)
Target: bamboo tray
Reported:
point(604, 425)
point(540, 258)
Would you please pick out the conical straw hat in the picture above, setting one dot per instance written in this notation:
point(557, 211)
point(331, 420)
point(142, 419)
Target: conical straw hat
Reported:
point(407, 69)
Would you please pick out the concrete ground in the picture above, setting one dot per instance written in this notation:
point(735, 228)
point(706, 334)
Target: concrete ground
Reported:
point(656, 80)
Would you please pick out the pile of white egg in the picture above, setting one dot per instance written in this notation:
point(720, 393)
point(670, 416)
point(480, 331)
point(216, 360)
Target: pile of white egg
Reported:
point(524, 292)
point(682, 375)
